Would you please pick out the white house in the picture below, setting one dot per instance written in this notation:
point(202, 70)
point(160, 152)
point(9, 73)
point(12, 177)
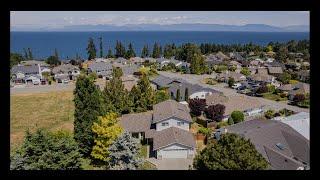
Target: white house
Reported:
point(166, 129)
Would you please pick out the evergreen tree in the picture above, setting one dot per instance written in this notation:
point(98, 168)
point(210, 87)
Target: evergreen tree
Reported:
point(91, 49)
point(110, 55)
point(116, 95)
point(120, 50)
point(186, 94)
point(231, 152)
point(178, 95)
point(161, 95)
point(53, 60)
point(101, 47)
point(197, 65)
point(237, 116)
point(130, 53)
point(169, 51)
point(88, 106)
point(156, 53)
point(43, 150)
point(124, 153)
point(106, 131)
point(26, 56)
point(30, 56)
point(142, 95)
point(15, 59)
point(56, 53)
point(145, 51)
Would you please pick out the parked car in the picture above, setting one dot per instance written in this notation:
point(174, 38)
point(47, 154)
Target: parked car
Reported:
point(65, 81)
point(236, 85)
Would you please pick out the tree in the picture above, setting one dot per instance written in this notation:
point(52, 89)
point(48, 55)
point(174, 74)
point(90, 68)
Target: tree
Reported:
point(178, 95)
point(91, 49)
point(124, 153)
point(106, 131)
point(237, 116)
point(15, 59)
point(115, 95)
point(160, 96)
point(157, 52)
point(215, 112)
point(282, 54)
point(231, 81)
point(53, 60)
point(44, 150)
point(56, 53)
point(197, 64)
point(26, 56)
point(186, 94)
point(101, 47)
point(197, 106)
point(231, 152)
point(262, 89)
point(110, 55)
point(88, 106)
point(187, 52)
point(93, 76)
point(130, 53)
point(245, 71)
point(120, 50)
point(169, 51)
point(30, 56)
point(299, 98)
point(142, 95)
point(285, 78)
point(145, 51)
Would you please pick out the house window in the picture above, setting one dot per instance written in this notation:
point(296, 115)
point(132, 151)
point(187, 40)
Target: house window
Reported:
point(179, 123)
point(165, 124)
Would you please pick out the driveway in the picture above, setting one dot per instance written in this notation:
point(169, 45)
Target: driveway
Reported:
point(197, 79)
point(171, 164)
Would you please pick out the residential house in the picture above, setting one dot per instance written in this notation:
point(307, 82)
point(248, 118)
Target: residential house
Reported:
point(299, 88)
point(129, 81)
point(304, 75)
point(299, 122)
point(281, 145)
point(44, 67)
point(275, 71)
point(66, 72)
point(163, 61)
point(29, 74)
point(236, 56)
point(102, 69)
point(261, 78)
point(222, 56)
point(166, 130)
point(130, 69)
point(137, 60)
point(212, 60)
point(224, 76)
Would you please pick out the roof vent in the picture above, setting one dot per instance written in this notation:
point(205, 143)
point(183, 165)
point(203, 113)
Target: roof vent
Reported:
point(280, 146)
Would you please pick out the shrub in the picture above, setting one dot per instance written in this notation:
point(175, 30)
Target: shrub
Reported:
point(271, 88)
point(222, 124)
point(204, 131)
point(230, 120)
point(237, 116)
point(245, 71)
point(49, 82)
point(299, 98)
point(215, 112)
point(262, 89)
point(231, 82)
point(269, 114)
point(283, 95)
point(197, 106)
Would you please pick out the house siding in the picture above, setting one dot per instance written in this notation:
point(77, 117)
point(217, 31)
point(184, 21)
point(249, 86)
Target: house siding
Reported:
point(172, 122)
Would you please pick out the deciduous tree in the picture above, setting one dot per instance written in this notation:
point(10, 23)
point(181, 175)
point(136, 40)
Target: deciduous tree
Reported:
point(197, 106)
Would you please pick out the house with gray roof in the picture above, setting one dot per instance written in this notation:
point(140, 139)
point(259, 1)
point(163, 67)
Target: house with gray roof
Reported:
point(281, 145)
point(299, 88)
point(26, 74)
point(66, 71)
point(166, 130)
point(102, 69)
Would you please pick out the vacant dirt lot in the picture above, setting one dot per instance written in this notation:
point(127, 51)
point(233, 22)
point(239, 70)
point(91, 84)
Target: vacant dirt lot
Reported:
point(51, 110)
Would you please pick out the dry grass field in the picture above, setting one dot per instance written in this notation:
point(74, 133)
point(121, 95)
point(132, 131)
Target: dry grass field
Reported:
point(52, 111)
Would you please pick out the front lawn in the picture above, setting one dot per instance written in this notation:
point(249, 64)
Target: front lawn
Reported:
point(274, 97)
point(210, 81)
point(144, 151)
point(147, 166)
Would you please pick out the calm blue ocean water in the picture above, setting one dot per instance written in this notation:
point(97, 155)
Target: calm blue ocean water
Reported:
point(70, 43)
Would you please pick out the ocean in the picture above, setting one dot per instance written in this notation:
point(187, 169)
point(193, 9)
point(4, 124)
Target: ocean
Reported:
point(69, 44)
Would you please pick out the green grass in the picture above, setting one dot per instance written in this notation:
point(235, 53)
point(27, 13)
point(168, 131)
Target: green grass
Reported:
point(274, 97)
point(144, 151)
point(147, 166)
point(52, 111)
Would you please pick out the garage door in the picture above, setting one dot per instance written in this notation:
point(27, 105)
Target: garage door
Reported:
point(176, 153)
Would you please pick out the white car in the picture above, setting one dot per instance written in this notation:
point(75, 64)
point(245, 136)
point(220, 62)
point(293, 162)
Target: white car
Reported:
point(65, 81)
point(236, 85)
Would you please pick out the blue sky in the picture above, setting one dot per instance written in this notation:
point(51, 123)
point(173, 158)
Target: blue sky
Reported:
point(57, 19)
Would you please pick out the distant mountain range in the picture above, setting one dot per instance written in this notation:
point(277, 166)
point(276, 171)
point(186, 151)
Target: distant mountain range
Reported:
point(174, 27)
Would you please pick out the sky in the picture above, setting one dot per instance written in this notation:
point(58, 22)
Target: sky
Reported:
point(58, 19)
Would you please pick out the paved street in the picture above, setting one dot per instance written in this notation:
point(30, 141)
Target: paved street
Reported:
point(171, 164)
point(197, 79)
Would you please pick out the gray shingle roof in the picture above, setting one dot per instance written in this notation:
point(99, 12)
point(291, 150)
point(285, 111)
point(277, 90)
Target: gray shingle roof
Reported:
point(168, 109)
point(265, 134)
point(173, 135)
point(30, 69)
point(275, 70)
point(162, 81)
point(300, 88)
point(64, 68)
point(140, 122)
point(100, 66)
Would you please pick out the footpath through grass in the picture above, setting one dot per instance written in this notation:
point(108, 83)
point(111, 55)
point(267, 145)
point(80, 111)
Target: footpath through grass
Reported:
point(52, 111)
